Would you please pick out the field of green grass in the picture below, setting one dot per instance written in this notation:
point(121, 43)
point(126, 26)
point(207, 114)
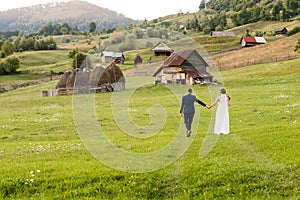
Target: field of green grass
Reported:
point(42, 155)
point(35, 65)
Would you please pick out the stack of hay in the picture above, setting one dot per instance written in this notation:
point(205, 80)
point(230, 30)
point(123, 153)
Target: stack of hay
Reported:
point(102, 79)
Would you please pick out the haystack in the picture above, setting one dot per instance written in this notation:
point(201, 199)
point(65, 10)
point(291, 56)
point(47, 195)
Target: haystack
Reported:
point(98, 77)
point(71, 80)
point(116, 77)
point(138, 60)
point(82, 79)
point(63, 80)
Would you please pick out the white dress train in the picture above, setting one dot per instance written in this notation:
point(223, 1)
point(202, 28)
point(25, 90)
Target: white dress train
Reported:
point(222, 115)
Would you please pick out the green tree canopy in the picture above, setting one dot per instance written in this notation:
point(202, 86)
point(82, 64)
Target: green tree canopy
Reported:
point(7, 49)
point(92, 27)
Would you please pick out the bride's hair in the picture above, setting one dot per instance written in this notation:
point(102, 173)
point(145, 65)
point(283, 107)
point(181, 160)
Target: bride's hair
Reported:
point(223, 91)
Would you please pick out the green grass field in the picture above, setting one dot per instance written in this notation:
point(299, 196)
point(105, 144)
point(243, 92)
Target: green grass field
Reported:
point(43, 157)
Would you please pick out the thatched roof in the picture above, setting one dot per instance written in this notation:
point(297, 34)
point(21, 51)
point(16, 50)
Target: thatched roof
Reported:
point(71, 79)
point(115, 73)
point(82, 79)
point(138, 59)
point(63, 80)
point(111, 75)
point(98, 77)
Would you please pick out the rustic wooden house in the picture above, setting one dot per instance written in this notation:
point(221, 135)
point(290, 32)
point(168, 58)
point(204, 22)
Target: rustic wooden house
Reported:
point(183, 67)
point(221, 34)
point(281, 32)
point(108, 56)
point(161, 49)
point(247, 41)
point(138, 60)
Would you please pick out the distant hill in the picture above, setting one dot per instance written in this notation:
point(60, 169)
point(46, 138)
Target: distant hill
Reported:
point(75, 12)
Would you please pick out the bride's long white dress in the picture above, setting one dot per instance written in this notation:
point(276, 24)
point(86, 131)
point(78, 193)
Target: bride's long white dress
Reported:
point(222, 116)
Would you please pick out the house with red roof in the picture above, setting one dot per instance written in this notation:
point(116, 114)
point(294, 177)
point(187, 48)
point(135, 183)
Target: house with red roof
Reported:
point(248, 41)
point(183, 67)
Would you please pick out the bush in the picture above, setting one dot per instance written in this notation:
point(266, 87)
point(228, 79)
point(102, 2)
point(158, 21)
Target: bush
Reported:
point(294, 31)
point(10, 65)
point(1, 69)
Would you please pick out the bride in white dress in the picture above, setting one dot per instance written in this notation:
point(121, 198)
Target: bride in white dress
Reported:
point(222, 114)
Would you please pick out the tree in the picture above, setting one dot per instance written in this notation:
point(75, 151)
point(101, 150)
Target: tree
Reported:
point(139, 33)
point(293, 6)
point(129, 44)
point(202, 4)
point(10, 65)
point(92, 27)
point(64, 30)
point(7, 49)
point(276, 12)
point(80, 60)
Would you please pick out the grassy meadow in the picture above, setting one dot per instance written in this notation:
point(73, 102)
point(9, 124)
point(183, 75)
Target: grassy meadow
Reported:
point(43, 157)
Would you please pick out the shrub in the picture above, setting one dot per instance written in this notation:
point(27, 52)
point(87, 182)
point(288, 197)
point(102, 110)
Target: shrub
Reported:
point(10, 65)
point(1, 69)
point(294, 31)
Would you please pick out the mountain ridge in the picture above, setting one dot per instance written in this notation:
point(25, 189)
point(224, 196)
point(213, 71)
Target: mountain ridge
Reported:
point(74, 12)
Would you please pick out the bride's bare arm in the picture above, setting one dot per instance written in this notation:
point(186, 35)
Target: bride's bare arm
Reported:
point(215, 102)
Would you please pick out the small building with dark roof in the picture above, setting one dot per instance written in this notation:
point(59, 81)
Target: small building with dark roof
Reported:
point(161, 49)
point(281, 32)
point(108, 56)
point(221, 34)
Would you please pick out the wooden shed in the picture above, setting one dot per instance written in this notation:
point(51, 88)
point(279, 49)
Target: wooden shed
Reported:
point(138, 60)
point(109, 56)
point(183, 67)
point(221, 34)
point(281, 32)
point(161, 49)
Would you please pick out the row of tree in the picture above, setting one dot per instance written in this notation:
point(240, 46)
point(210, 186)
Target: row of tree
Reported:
point(7, 48)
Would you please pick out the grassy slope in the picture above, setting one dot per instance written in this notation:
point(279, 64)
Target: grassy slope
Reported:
point(281, 49)
point(264, 26)
point(258, 160)
point(36, 65)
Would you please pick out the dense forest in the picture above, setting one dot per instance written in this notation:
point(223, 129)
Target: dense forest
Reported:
point(248, 11)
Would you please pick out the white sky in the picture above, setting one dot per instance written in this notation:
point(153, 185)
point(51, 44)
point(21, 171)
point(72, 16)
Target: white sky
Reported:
point(135, 9)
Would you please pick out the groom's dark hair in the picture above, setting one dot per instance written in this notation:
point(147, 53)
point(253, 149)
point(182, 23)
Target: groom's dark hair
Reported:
point(223, 91)
point(190, 90)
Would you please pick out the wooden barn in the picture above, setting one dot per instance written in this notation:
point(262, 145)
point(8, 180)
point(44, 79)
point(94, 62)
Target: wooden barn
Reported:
point(281, 32)
point(183, 67)
point(247, 41)
point(221, 34)
point(138, 60)
point(161, 49)
point(108, 56)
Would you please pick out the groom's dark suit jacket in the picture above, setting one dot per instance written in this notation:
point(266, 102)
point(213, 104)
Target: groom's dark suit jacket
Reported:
point(187, 104)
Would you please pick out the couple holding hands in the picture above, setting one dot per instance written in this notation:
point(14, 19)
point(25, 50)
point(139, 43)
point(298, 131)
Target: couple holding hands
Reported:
point(187, 109)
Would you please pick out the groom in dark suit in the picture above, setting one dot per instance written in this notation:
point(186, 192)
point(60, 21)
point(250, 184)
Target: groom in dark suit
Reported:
point(188, 109)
